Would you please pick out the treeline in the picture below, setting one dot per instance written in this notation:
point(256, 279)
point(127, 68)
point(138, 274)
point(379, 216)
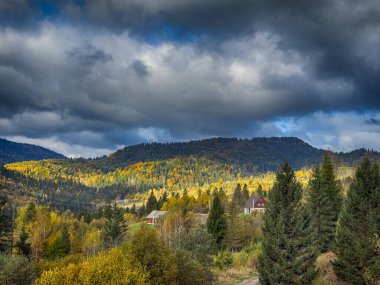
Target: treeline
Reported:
point(12, 152)
point(205, 234)
point(250, 155)
point(180, 172)
point(298, 227)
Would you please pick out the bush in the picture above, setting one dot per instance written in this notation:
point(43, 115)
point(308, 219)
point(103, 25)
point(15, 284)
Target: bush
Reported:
point(190, 271)
point(149, 252)
point(48, 264)
point(112, 268)
point(223, 259)
point(16, 270)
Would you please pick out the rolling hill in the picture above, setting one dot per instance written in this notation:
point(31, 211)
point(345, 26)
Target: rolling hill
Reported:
point(252, 155)
point(196, 166)
point(16, 152)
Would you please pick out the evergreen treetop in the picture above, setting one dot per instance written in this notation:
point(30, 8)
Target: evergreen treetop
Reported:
point(216, 222)
point(358, 231)
point(287, 255)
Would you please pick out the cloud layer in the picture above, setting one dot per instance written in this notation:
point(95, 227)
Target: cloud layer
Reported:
point(86, 77)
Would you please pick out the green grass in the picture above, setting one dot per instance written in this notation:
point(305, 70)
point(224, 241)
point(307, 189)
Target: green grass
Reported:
point(133, 228)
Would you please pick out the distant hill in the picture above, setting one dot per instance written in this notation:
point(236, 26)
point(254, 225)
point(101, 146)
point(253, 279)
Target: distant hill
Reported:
point(203, 165)
point(257, 154)
point(15, 152)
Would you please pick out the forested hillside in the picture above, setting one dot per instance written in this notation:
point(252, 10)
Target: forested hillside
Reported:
point(255, 155)
point(13, 152)
point(194, 166)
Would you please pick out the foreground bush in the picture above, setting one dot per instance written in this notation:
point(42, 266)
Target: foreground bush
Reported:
point(146, 260)
point(16, 270)
point(112, 268)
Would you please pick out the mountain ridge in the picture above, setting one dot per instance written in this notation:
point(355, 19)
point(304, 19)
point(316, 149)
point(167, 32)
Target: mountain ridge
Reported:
point(11, 151)
point(259, 154)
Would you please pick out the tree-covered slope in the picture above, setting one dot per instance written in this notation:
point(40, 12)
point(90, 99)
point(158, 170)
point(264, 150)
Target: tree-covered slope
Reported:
point(257, 154)
point(251, 155)
point(14, 152)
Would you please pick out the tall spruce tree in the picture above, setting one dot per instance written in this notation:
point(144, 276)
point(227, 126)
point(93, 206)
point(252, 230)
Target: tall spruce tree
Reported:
point(322, 209)
point(237, 195)
point(331, 186)
point(358, 231)
point(216, 222)
point(287, 254)
point(23, 245)
point(232, 239)
point(152, 203)
point(115, 227)
point(245, 194)
point(6, 223)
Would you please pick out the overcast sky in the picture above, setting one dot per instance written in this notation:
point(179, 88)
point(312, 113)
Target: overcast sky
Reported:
point(85, 77)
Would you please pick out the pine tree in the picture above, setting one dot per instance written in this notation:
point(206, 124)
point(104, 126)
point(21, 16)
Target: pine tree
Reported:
point(162, 200)
point(245, 193)
point(142, 211)
point(260, 190)
point(115, 227)
point(60, 246)
point(23, 245)
point(152, 203)
point(232, 238)
point(216, 222)
point(287, 255)
point(6, 223)
point(133, 210)
point(322, 212)
point(358, 228)
point(330, 183)
point(237, 195)
point(31, 212)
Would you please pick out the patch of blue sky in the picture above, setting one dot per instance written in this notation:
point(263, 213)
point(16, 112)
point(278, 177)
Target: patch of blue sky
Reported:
point(171, 33)
point(48, 8)
point(287, 125)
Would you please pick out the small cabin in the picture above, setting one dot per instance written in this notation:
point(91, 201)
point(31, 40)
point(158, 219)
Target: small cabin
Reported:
point(154, 217)
point(255, 203)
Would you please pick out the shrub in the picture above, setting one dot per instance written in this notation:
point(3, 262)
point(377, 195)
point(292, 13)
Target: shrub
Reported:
point(223, 259)
point(16, 270)
point(190, 271)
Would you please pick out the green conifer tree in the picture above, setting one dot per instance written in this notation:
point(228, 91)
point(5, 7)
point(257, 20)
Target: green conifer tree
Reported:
point(6, 223)
point(216, 222)
point(322, 212)
point(232, 237)
point(115, 227)
point(260, 190)
point(331, 186)
point(133, 210)
point(287, 254)
point(358, 230)
point(152, 203)
point(245, 193)
point(237, 195)
point(142, 211)
point(60, 246)
point(23, 245)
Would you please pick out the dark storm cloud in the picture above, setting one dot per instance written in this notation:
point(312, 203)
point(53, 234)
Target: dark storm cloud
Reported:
point(373, 121)
point(103, 73)
point(88, 54)
point(140, 68)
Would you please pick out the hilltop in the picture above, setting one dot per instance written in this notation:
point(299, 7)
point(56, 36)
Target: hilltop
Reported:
point(197, 165)
point(255, 155)
point(16, 152)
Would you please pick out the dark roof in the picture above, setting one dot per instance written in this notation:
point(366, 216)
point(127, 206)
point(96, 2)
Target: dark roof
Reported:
point(251, 201)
